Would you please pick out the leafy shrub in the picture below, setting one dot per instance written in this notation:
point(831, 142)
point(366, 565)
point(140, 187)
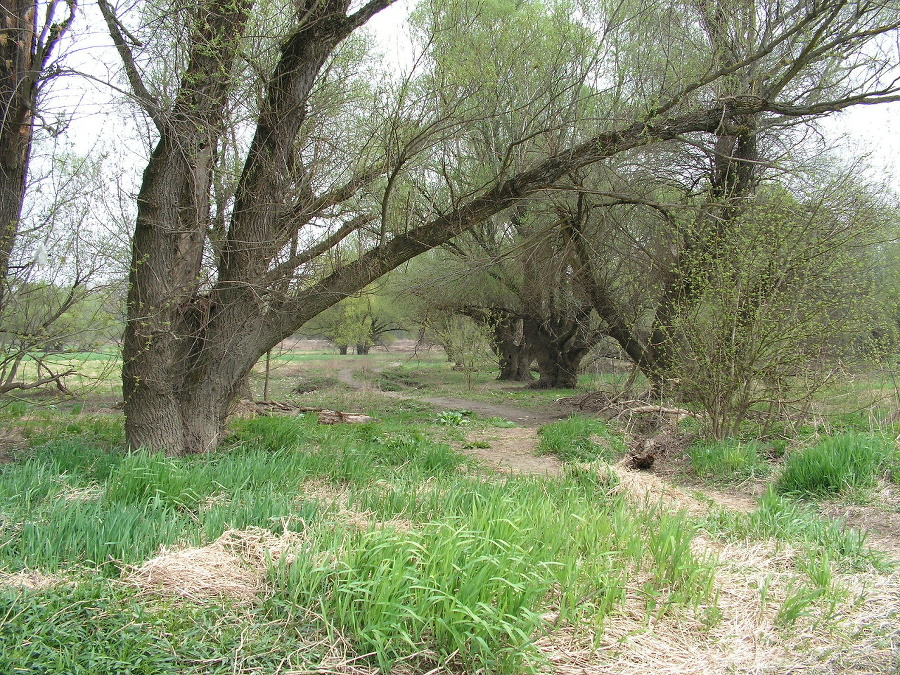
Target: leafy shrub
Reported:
point(835, 464)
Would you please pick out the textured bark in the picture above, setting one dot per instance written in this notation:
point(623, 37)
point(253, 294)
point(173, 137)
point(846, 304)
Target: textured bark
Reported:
point(165, 318)
point(559, 345)
point(508, 341)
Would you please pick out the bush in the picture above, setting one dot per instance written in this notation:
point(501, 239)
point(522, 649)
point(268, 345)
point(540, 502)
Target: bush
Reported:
point(834, 465)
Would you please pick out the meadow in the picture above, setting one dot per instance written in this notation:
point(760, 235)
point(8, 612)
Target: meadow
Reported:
point(396, 546)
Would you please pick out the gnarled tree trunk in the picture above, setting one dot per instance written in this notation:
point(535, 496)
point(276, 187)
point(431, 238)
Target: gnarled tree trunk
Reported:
point(559, 345)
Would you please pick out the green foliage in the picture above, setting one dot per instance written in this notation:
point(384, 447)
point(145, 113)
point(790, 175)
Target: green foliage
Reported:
point(87, 626)
point(359, 321)
point(727, 460)
point(580, 439)
point(454, 418)
point(781, 518)
point(835, 464)
point(779, 296)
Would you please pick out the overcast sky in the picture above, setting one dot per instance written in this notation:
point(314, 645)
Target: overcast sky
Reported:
point(871, 131)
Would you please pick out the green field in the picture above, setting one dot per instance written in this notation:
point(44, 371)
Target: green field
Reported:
point(394, 547)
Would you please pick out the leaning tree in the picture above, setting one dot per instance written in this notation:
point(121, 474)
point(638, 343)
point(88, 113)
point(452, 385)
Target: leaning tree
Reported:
point(216, 284)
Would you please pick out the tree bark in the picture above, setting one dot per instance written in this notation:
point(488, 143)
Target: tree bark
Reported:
point(559, 345)
point(513, 351)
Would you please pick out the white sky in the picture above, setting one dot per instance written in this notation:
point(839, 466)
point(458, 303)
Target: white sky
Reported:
point(870, 131)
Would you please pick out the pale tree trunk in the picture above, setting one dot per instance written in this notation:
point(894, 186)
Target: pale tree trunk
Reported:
point(513, 351)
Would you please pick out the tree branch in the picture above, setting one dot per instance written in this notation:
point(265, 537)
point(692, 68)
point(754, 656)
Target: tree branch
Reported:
point(141, 93)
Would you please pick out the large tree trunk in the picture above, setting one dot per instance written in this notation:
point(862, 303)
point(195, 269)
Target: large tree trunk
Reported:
point(165, 317)
point(508, 341)
point(559, 346)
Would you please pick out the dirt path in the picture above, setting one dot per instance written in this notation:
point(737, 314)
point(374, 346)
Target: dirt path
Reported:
point(520, 416)
point(513, 450)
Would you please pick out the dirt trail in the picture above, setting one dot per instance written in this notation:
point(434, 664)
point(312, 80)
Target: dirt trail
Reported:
point(513, 450)
point(520, 416)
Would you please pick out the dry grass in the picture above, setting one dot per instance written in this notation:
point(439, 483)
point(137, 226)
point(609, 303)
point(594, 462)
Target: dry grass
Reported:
point(34, 580)
point(645, 487)
point(862, 637)
point(233, 566)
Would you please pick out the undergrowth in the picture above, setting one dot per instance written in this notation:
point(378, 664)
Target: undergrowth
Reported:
point(786, 520)
point(580, 439)
point(845, 463)
point(456, 568)
point(727, 460)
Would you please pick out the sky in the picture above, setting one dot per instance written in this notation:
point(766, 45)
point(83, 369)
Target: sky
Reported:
point(872, 132)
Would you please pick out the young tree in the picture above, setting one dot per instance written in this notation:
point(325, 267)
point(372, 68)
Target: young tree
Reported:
point(29, 33)
point(210, 293)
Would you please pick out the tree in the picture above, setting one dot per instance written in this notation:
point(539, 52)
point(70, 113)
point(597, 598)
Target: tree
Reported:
point(65, 293)
point(775, 310)
point(30, 32)
point(360, 321)
point(210, 293)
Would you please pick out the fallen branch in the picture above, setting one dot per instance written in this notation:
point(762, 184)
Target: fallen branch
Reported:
point(7, 387)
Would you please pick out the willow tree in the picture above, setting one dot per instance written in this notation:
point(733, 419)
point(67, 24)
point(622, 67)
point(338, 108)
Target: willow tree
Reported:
point(215, 285)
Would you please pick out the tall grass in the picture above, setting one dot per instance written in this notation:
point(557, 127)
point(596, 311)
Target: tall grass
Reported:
point(835, 464)
point(94, 627)
point(727, 460)
point(464, 578)
point(580, 439)
point(468, 584)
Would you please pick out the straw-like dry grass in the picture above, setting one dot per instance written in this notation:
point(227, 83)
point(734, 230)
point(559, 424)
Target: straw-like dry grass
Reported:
point(233, 566)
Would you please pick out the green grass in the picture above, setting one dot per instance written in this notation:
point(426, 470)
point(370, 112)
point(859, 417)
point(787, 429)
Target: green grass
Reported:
point(580, 439)
point(465, 583)
point(422, 561)
point(785, 520)
point(89, 626)
point(728, 460)
point(846, 463)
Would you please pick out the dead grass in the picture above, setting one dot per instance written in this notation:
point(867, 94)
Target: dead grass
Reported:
point(233, 566)
point(861, 637)
point(34, 580)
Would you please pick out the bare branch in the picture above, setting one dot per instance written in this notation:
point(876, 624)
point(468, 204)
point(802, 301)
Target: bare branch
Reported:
point(148, 102)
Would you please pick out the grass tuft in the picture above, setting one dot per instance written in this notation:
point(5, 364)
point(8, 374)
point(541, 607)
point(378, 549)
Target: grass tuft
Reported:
point(580, 439)
point(845, 463)
point(727, 460)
